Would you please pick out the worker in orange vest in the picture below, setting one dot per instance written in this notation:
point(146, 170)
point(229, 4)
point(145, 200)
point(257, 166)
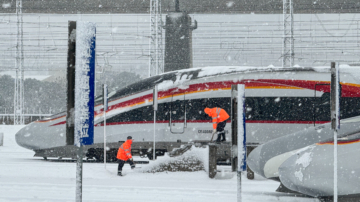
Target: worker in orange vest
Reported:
point(219, 117)
point(124, 155)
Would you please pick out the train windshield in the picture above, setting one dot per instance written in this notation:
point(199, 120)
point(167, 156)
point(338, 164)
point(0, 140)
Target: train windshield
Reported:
point(147, 84)
point(99, 99)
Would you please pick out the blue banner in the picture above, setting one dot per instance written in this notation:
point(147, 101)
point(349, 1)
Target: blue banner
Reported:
point(85, 83)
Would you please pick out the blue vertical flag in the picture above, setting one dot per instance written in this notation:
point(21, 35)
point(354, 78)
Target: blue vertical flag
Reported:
point(84, 83)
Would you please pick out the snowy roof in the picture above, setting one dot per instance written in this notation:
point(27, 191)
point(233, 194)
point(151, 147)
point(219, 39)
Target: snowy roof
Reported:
point(169, 79)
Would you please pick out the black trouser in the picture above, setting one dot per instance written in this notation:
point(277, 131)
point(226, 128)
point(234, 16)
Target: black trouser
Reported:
point(220, 130)
point(121, 164)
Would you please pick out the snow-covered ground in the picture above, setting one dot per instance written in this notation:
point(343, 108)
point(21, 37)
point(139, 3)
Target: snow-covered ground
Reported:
point(25, 178)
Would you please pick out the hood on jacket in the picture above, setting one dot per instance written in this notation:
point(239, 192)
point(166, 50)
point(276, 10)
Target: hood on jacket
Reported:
point(207, 111)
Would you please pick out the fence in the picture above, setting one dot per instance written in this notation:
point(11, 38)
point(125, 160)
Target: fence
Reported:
point(8, 119)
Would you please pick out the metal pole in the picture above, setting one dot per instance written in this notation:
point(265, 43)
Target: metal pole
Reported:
point(79, 166)
point(84, 94)
point(241, 136)
point(234, 127)
point(151, 37)
point(154, 135)
point(70, 75)
point(288, 34)
point(335, 167)
point(19, 77)
point(105, 109)
point(105, 138)
point(239, 198)
point(156, 37)
point(284, 34)
point(335, 118)
point(155, 105)
point(160, 42)
point(212, 160)
point(292, 54)
point(16, 91)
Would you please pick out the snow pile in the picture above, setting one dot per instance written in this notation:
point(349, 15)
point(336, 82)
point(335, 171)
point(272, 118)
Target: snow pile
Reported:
point(211, 71)
point(195, 159)
point(181, 78)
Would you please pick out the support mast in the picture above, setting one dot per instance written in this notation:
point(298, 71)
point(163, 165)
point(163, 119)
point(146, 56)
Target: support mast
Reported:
point(156, 64)
point(19, 63)
point(288, 45)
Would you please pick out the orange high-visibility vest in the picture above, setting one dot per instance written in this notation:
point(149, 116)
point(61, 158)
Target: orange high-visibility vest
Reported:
point(124, 152)
point(218, 115)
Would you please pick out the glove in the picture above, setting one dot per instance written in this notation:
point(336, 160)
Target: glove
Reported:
point(131, 159)
point(214, 131)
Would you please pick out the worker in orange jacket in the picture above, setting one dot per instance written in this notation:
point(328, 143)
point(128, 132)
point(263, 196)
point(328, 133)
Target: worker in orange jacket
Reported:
point(219, 117)
point(124, 155)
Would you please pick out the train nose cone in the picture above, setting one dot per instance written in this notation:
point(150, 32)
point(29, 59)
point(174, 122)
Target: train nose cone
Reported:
point(23, 138)
point(254, 161)
point(288, 175)
point(297, 173)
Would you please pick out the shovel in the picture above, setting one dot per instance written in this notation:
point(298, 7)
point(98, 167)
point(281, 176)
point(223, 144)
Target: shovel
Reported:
point(213, 136)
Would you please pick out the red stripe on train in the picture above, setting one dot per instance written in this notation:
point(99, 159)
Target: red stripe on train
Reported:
point(347, 90)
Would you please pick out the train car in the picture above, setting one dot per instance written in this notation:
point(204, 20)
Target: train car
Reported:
point(267, 158)
point(311, 170)
point(279, 101)
point(305, 164)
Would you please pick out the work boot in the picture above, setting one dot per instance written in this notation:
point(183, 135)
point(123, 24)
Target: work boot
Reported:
point(119, 174)
point(132, 167)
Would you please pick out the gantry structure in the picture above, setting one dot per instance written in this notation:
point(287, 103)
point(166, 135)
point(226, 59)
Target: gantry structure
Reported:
point(156, 56)
point(288, 38)
point(19, 69)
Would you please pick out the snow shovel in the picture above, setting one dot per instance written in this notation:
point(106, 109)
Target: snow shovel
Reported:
point(213, 136)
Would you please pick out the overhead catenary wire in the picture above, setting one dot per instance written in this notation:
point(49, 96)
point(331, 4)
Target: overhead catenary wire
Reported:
point(216, 42)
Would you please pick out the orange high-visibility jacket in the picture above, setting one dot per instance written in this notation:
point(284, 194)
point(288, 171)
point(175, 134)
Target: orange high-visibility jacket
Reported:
point(124, 152)
point(218, 115)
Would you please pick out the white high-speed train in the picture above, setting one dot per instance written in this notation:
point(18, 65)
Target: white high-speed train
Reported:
point(305, 164)
point(279, 101)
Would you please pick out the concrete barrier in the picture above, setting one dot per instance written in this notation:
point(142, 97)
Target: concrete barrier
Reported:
point(1, 139)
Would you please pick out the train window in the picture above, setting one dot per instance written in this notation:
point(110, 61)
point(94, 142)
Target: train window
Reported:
point(322, 108)
point(163, 112)
point(178, 110)
point(144, 85)
point(349, 107)
point(262, 109)
point(99, 99)
point(279, 109)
